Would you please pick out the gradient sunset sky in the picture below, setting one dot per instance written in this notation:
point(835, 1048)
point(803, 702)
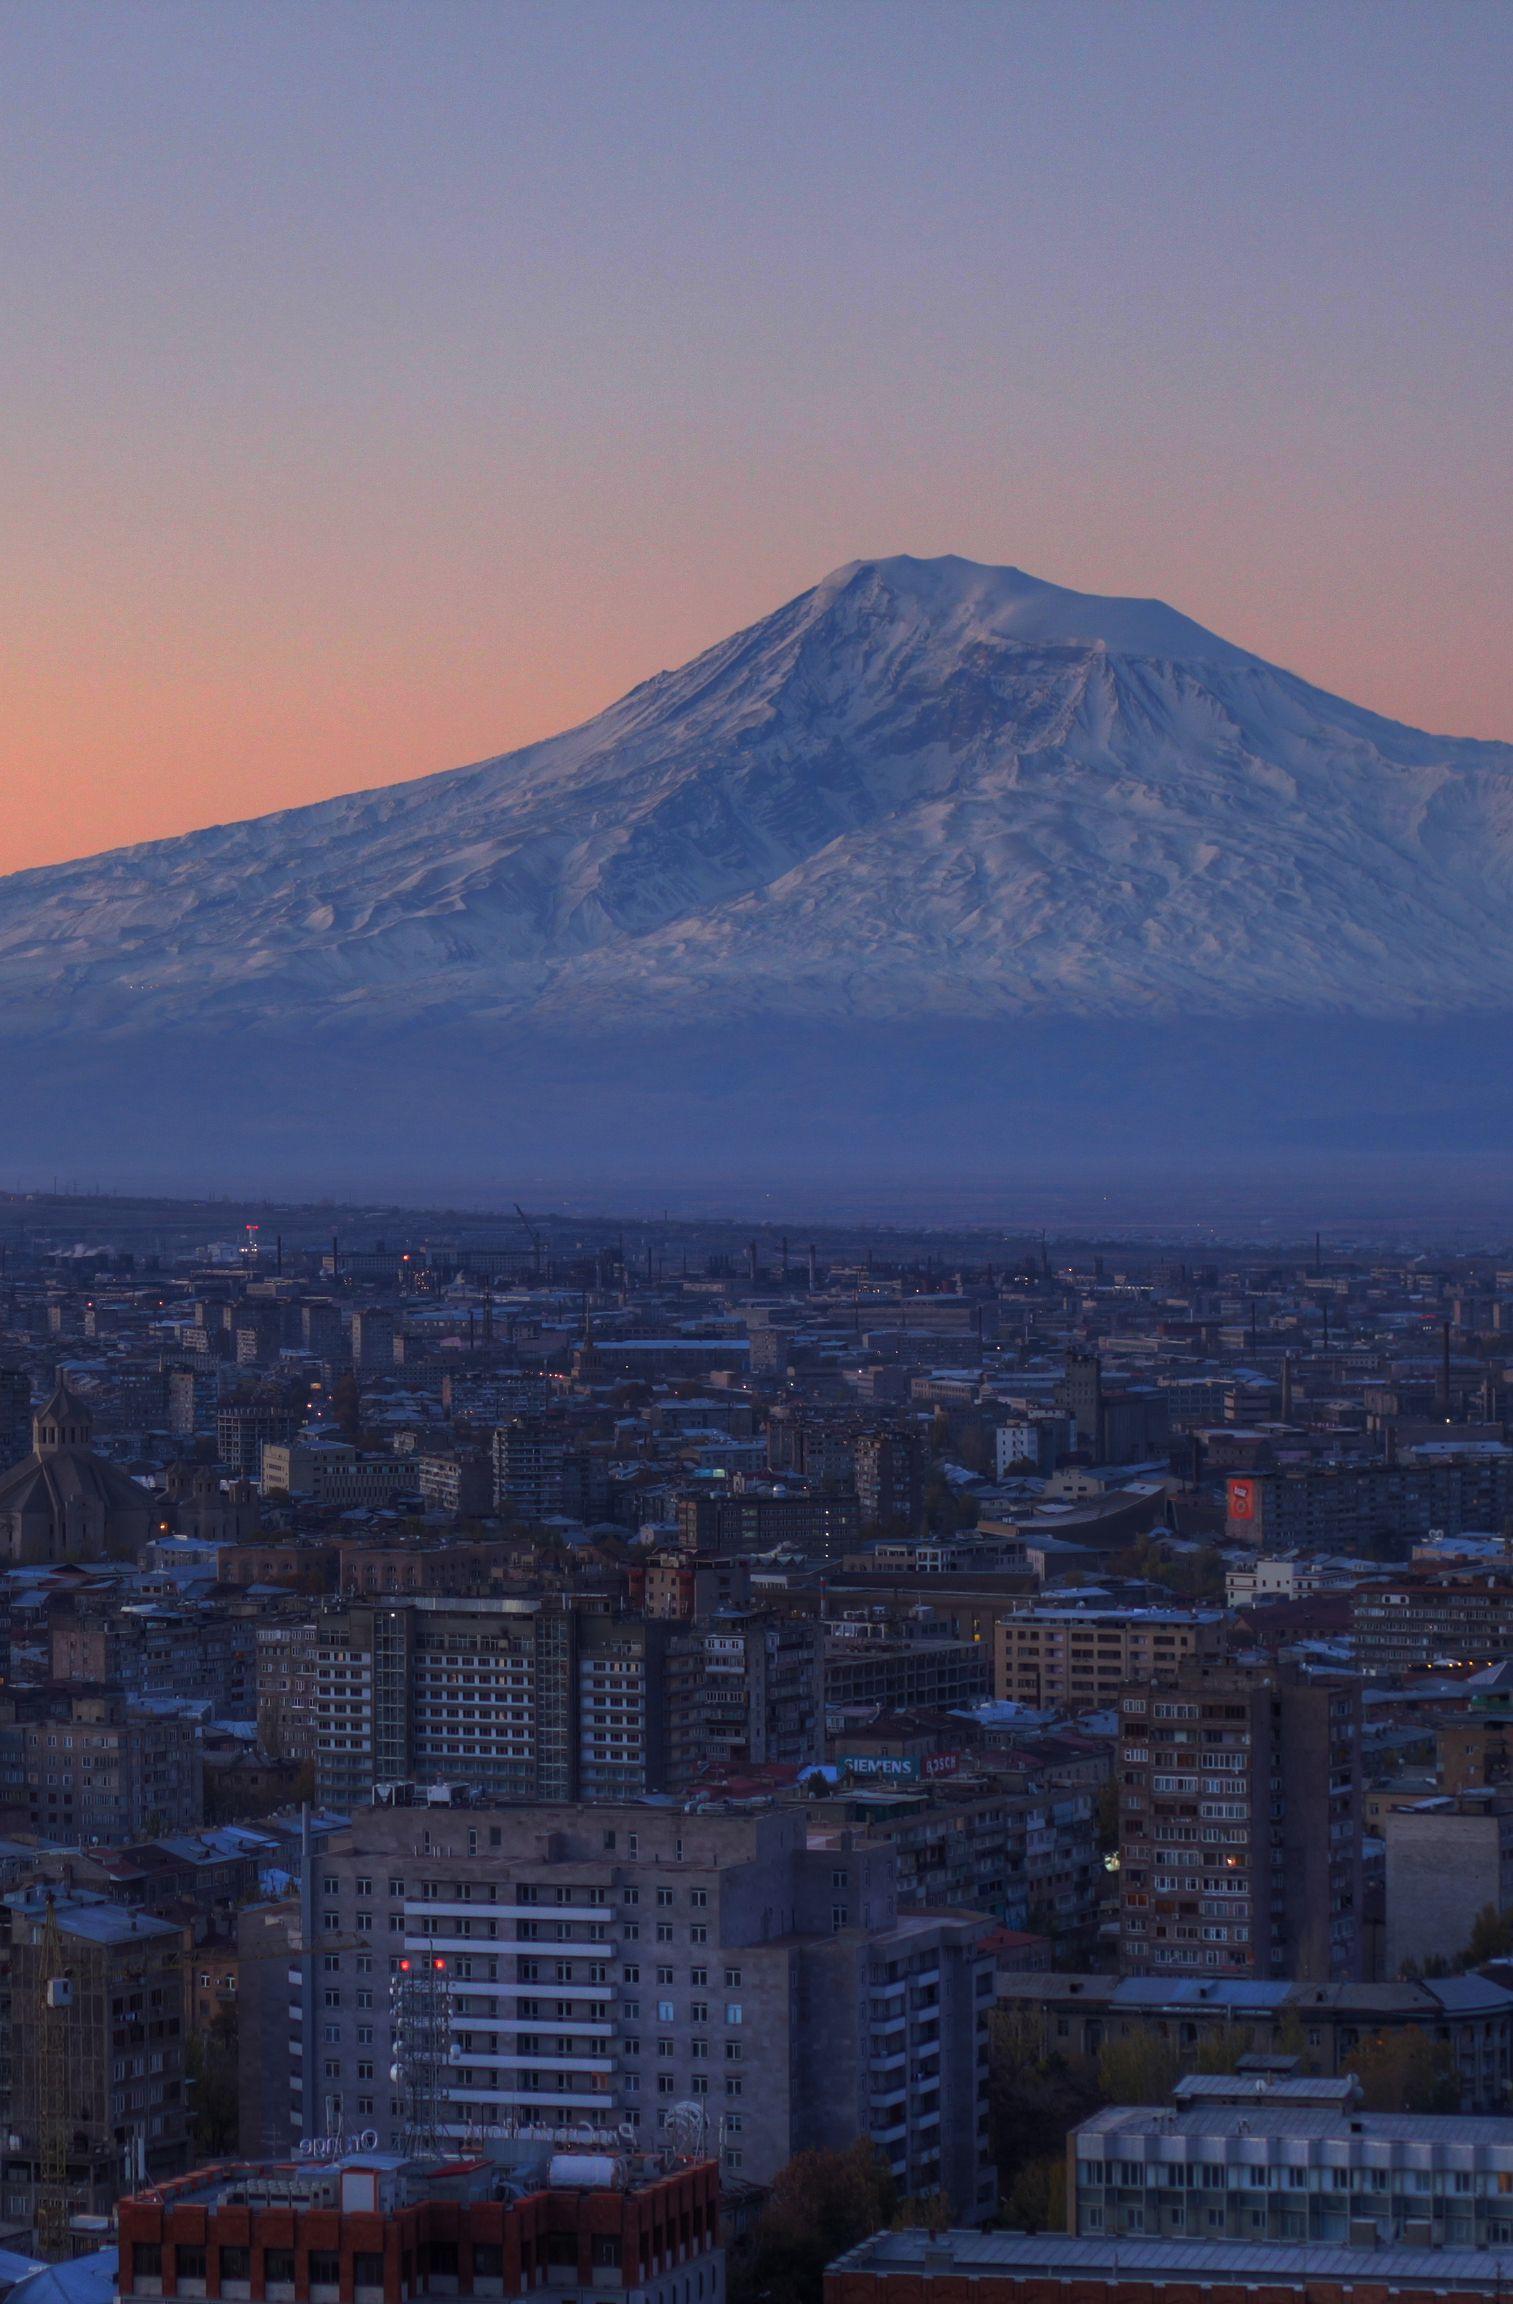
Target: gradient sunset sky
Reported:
point(386, 386)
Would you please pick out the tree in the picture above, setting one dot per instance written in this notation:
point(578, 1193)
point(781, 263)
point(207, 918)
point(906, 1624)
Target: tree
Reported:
point(1142, 2068)
point(1036, 2199)
point(821, 2204)
point(1404, 2070)
point(1491, 1937)
point(1035, 2098)
point(924, 2212)
point(210, 2063)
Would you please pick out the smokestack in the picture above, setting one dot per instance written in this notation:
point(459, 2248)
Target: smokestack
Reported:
point(1286, 1387)
point(814, 1269)
point(751, 1260)
point(1444, 1370)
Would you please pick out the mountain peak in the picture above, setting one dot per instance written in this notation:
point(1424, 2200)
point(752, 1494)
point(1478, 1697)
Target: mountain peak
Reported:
point(970, 598)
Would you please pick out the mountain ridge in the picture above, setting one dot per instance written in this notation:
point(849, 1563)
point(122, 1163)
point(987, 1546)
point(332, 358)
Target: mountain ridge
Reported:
point(921, 787)
point(936, 864)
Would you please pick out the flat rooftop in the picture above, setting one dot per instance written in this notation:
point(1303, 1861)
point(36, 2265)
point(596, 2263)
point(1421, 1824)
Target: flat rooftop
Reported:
point(1066, 2257)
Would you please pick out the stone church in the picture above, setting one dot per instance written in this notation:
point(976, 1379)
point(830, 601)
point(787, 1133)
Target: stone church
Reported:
point(63, 1502)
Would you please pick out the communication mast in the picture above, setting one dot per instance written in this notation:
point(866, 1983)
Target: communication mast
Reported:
point(420, 2007)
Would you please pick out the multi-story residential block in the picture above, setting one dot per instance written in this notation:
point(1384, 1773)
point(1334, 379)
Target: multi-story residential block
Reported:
point(605, 1966)
point(1279, 2159)
point(332, 1472)
point(1447, 1859)
point(931, 1672)
point(1340, 1507)
point(1410, 1622)
point(15, 1416)
point(1068, 1658)
point(890, 1478)
point(91, 1765)
point(243, 1429)
point(118, 2010)
point(524, 1699)
point(1240, 1824)
point(373, 1338)
point(285, 1662)
point(824, 1526)
point(751, 1690)
point(1078, 2015)
point(1116, 1423)
point(1031, 1859)
point(503, 2225)
point(164, 1650)
point(455, 1482)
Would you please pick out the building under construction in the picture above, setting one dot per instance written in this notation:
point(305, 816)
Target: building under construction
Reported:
point(92, 2061)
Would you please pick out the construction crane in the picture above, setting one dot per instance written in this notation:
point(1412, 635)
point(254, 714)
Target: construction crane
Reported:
point(54, 2005)
point(532, 1234)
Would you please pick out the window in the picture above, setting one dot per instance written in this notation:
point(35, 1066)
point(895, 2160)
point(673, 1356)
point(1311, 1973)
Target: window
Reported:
point(732, 1979)
point(664, 1931)
point(733, 2012)
point(667, 2012)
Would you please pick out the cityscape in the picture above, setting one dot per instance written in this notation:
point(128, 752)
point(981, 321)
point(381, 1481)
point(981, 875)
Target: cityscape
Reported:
point(516, 1702)
point(756, 1152)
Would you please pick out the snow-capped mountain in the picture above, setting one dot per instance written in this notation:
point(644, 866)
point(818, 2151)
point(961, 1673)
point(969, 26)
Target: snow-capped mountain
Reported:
point(936, 855)
point(925, 789)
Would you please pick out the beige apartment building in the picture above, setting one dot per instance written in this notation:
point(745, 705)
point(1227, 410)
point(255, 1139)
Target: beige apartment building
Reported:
point(1077, 1659)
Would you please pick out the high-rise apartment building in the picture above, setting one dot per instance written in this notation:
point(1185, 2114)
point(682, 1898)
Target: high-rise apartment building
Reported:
point(119, 2044)
point(1240, 1824)
point(523, 1699)
point(890, 1479)
point(603, 1966)
point(15, 1416)
point(550, 1698)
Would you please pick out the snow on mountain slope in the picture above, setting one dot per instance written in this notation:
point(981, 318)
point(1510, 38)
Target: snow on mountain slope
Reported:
point(925, 789)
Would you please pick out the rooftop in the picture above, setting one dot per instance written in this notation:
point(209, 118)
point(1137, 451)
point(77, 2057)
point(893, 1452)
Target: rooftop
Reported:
point(1280, 2264)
